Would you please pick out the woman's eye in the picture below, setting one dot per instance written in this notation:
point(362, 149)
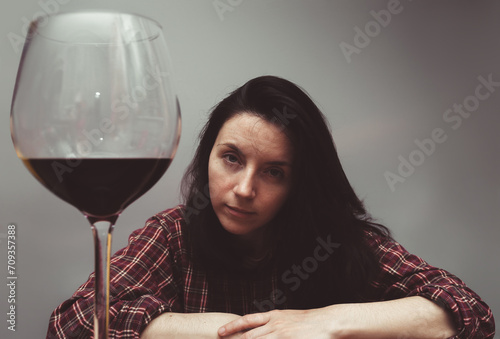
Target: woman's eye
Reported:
point(276, 173)
point(231, 158)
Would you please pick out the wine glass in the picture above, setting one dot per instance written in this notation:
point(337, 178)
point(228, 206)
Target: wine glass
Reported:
point(95, 119)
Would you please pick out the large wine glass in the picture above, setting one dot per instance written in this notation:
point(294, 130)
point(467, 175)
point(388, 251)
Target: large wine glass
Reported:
point(95, 119)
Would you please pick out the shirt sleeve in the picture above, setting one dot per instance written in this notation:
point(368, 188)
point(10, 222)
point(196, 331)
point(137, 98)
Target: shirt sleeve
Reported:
point(404, 275)
point(143, 284)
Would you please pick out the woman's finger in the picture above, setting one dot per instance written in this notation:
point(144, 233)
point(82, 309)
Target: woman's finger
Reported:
point(244, 323)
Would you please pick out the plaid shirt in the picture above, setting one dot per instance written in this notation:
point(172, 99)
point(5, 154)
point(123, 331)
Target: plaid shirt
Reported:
point(154, 274)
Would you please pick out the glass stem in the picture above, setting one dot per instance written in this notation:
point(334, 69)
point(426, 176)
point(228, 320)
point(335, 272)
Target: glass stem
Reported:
point(101, 231)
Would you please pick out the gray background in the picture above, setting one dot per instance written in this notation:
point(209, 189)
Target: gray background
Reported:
point(395, 90)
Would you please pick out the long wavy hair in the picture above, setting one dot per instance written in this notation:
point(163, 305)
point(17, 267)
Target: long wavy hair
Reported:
point(321, 205)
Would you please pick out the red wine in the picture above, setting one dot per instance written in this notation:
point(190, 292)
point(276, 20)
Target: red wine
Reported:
point(100, 188)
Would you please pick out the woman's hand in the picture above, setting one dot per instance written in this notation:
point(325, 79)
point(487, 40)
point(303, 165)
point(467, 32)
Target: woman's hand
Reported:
point(411, 317)
point(281, 324)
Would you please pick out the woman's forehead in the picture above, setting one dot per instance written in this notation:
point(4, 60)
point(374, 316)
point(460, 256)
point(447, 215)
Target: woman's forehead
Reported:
point(251, 133)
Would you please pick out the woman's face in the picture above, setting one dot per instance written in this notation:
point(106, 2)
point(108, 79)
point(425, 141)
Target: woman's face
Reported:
point(249, 174)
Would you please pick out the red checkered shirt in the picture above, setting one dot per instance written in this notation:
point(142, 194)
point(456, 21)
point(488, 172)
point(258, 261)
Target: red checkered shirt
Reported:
point(154, 274)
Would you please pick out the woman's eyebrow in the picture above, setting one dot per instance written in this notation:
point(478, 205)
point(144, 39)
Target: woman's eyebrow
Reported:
point(230, 145)
point(274, 163)
point(278, 163)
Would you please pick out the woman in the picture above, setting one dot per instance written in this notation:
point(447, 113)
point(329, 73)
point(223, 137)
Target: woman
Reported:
point(272, 242)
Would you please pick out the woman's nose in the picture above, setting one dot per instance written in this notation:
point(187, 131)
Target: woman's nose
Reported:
point(245, 185)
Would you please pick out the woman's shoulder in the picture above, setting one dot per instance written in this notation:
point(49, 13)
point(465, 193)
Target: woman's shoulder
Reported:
point(171, 220)
point(171, 215)
point(381, 243)
point(164, 228)
point(162, 233)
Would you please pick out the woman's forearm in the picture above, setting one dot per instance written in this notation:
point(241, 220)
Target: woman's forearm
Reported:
point(412, 317)
point(187, 325)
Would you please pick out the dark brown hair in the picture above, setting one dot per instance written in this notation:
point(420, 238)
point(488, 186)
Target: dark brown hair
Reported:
point(321, 205)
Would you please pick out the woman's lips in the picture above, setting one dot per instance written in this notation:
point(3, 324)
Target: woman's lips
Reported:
point(238, 212)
